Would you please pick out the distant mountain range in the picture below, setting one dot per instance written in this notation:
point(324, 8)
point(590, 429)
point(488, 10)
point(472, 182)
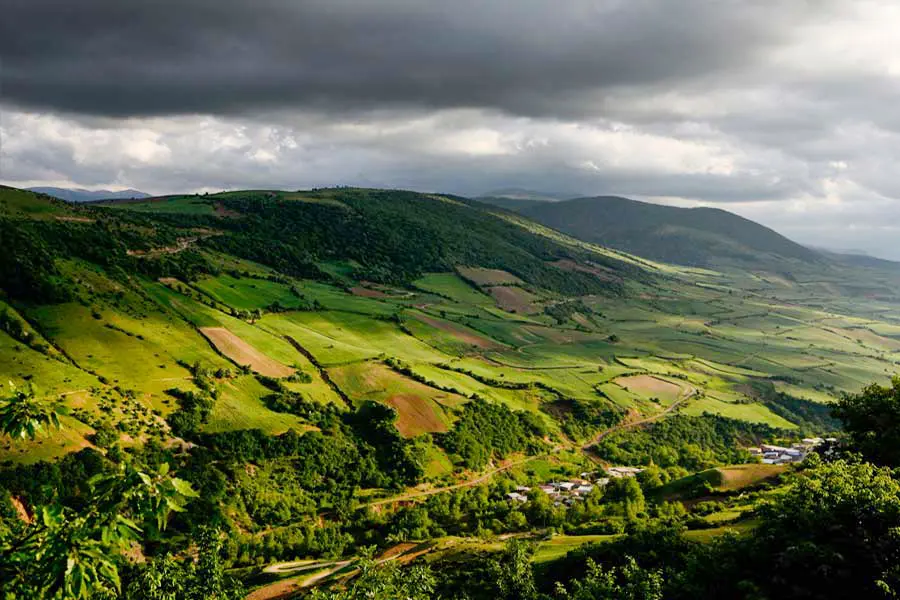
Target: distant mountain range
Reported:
point(82, 195)
point(685, 236)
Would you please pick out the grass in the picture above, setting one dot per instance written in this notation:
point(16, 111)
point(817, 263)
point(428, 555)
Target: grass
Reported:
point(56, 443)
point(754, 413)
point(337, 337)
point(420, 408)
point(21, 203)
point(708, 535)
point(20, 364)
point(722, 479)
point(560, 545)
point(451, 286)
point(247, 294)
point(240, 406)
point(184, 205)
point(136, 353)
point(717, 332)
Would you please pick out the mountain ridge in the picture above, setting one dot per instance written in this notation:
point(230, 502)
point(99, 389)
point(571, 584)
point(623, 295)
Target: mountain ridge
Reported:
point(701, 236)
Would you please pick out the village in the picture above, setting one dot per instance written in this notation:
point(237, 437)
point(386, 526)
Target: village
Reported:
point(566, 493)
point(780, 455)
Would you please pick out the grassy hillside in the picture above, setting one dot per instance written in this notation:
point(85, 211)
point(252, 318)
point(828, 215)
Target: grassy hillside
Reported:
point(418, 302)
point(695, 236)
point(341, 368)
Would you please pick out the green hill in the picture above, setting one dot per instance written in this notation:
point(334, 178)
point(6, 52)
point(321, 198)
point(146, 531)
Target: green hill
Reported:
point(122, 310)
point(340, 368)
point(685, 236)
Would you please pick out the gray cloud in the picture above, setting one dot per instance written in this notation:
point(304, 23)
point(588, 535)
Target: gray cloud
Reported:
point(152, 57)
point(783, 112)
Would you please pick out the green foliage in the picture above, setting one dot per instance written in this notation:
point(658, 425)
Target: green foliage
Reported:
point(70, 554)
point(693, 443)
point(364, 226)
point(486, 430)
point(23, 416)
point(582, 418)
point(193, 411)
point(27, 264)
point(513, 572)
point(871, 419)
point(628, 582)
point(627, 493)
point(167, 578)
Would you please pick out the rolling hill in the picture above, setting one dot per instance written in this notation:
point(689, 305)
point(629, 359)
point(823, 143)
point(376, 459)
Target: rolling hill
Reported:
point(419, 302)
point(684, 236)
point(317, 362)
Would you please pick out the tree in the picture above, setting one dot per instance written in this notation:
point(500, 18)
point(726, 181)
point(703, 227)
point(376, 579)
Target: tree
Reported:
point(871, 419)
point(72, 555)
point(628, 582)
point(837, 528)
point(626, 492)
point(22, 415)
point(514, 573)
point(167, 578)
point(383, 582)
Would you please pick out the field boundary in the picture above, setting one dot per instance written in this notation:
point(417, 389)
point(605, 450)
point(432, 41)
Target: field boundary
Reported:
point(323, 373)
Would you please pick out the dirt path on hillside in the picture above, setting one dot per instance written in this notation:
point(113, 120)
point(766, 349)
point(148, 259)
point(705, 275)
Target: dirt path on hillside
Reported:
point(690, 393)
point(288, 587)
point(243, 353)
point(456, 486)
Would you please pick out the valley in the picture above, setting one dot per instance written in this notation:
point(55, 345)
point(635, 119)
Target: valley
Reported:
point(331, 367)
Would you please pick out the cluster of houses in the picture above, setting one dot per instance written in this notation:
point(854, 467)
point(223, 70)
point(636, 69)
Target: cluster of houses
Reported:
point(780, 455)
point(568, 492)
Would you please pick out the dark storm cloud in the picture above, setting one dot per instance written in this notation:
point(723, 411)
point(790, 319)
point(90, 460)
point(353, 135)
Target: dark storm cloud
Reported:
point(533, 57)
point(784, 112)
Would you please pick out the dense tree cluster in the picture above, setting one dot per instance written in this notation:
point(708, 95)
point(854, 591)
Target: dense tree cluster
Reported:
point(485, 431)
point(395, 236)
point(691, 443)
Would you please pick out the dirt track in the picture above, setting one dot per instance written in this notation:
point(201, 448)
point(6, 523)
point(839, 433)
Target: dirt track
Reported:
point(689, 393)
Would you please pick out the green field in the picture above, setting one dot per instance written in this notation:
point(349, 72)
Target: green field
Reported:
point(717, 332)
point(560, 545)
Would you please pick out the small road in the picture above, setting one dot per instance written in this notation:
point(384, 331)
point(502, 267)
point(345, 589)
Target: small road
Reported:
point(688, 394)
point(470, 483)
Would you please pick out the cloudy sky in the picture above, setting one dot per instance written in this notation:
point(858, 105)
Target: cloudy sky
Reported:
point(783, 111)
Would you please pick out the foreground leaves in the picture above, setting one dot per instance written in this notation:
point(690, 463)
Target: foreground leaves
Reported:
point(69, 554)
point(23, 416)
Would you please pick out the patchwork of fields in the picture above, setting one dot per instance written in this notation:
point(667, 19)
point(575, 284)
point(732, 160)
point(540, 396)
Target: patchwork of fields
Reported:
point(459, 337)
point(737, 344)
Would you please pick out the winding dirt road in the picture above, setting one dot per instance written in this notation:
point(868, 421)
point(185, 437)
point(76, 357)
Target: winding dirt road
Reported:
point(689, 393)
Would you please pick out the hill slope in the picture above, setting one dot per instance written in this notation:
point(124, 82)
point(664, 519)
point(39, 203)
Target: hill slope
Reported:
point(694, 237)
point(302, 355)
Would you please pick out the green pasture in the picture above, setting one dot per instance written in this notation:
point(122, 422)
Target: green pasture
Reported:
point(240, 406)
point(182, 205)
point(451, 286)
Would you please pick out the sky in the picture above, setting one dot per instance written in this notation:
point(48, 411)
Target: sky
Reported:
point(783, 112)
